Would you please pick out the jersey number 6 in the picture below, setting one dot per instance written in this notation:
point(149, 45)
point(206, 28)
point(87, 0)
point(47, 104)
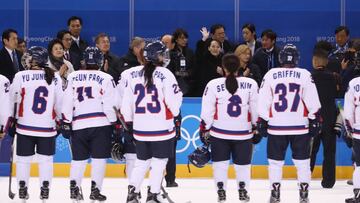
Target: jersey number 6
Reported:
point(39, 103)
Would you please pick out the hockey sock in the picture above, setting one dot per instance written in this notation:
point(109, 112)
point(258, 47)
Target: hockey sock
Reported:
point(23, 168)
point(243, 174)
point(356, 177)
point(220, 172)
point(275, 171)
point(98, 171)
point(130, 163)
point(303, 170)
point(156, 174)
point(138, 173)
point(77, 171)
point(45, 168)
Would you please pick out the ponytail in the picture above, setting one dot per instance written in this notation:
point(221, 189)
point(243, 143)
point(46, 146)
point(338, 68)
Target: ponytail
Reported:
point(49, 75)
point(231, 63)
point(231, 83)
point(149, 69)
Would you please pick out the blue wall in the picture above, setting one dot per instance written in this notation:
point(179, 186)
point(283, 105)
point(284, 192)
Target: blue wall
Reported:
point(299, 22)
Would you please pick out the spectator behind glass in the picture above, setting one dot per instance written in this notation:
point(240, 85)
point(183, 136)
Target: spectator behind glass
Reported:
point(57, 61)
point(21, 47)
point(167, 40)
point(217, 32)
point(249, 37)
point(326, 88)
point(247, 69)
point(267, 57)
point(342, 36)
point(78, 45)
point(182, 63)
point(10, 58)
point(112, 62)
point(66, 40)
point(134, 55)
point(210, 65)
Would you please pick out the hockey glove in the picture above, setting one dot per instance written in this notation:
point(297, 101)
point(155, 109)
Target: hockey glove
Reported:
point(256, 137)
point(338, 125)
point(262, 126)
point(314, 127)
point(66, 130)
point(11, 127)
point(204, 134)
point(116, 131)
point(348, 128)
point(177, 122)
point(128, 134)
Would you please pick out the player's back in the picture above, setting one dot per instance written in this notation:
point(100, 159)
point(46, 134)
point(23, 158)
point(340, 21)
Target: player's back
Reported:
point(288, 96)
point(231, 115)
point(5, 100)
point(90, 92)
point(152, 108)
point(38, 103)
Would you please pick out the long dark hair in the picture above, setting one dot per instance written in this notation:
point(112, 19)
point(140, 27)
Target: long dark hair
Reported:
point(149, 69)
point(49, 75)
point(231, 63)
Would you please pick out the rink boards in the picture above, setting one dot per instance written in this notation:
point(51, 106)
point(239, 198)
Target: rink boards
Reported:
point(190, 139)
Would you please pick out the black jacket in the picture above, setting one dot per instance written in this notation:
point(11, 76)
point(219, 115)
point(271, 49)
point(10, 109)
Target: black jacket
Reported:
point(202, 47)
point(207, 70)
point(261, 59)
point(76, 53)
point(114, 66)
point(7, 68)
point(128, 61)
point(184, 73)
point(255, 73)
point(326, 87)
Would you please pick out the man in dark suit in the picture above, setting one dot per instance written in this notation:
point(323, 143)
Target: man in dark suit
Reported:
point(10, 58)
point(78, 45)
point(111, 61)
point(267, 57)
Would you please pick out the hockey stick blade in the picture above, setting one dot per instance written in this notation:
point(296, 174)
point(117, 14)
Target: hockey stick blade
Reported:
point(121, 119)
point(166, 195)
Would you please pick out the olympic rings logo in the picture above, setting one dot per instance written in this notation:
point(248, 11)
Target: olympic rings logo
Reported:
point(189, 138)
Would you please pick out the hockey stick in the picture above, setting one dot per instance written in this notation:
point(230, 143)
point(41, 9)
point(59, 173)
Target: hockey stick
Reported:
point(121, 118)
point(11, 194)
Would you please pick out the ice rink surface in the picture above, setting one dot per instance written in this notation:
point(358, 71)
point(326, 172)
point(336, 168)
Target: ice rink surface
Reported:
point(189, 190)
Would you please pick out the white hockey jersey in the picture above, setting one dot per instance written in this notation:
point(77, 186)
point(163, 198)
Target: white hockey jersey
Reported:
point(120, 88)
point(151, 109)
point(287, 99)
point(230, 116)
point(38, 104)
point(89, 99)
point(352, 106)
point(5, 101)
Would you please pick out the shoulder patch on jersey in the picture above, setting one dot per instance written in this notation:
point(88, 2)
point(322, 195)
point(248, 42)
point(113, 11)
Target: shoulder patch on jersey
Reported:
point(7, 87)
point(262, 83)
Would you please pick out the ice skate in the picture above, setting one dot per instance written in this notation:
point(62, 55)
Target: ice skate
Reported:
point(243, 196)
point(132, 196)
point(75, 192)
point(95, 193)
point(23, 192)
point(304, 193)
point(356, 198)
point(221, 192)
point(44, 191)
point(275, 193)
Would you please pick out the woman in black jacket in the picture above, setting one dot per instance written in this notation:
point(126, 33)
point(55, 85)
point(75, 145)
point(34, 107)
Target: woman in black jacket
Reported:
point(210, 65)
point(247, 69)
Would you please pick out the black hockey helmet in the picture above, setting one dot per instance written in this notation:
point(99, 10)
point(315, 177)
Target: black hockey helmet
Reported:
point(200, 157)
point(289, 55)
point(35, 56)
point(93, 56)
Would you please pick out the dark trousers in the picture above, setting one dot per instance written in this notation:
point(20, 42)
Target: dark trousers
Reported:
point(328, 139)
point(171, 166)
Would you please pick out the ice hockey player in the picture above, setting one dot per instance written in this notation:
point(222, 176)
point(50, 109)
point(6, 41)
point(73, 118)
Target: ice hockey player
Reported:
point(5, 104)
point(37, 93)
point(352, 117)
point(89, 121)
point(229, 112)
point(151, 105)
point(288, 108)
